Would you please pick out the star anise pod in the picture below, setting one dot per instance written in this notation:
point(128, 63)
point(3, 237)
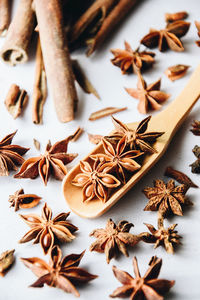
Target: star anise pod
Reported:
point(197, 24)
point(176, 72)
point(195, 128)
point(52, 162)
point(167, 37)
point(195, 166)
point(148, 287)
point(21, 200)
point(166, 198)
point(131, 61)
point(136, 138)
point(120, 159)
point(10, 155)
point(172, 17)
point(48, 231)
point(162, 236)
point(95, 180)
point(149, 96)
point(113, 239)
point(62, 273)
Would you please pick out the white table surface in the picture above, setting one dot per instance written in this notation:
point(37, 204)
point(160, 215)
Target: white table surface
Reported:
point(184, 265)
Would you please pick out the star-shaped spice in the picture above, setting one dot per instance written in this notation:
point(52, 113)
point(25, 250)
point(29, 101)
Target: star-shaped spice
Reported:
point(169, 37)
point(166, 198)
point(113, 239)
point(195, 166)
point(148, 287)
point(138, 138)
point(130, 61)
point(121, 160)
point(21, 200)
point(62, 273)
point(197, 24)
point(95, 180)
point(10, 155)
point(48, 231)
point(51, 163)
point(162, 236)
point(195, 128)
point(149, 96)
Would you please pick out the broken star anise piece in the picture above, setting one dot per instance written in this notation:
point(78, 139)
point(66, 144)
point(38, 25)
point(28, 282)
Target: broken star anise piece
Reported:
point(95, 180)
point(62, 273)
point(130, 61)
point(10, 155)
point(21, 200)
point(136, 138)
point(113, 239)
point(195, 128)
point(51, 163)
point(180, 177)
point(149, 96)
point(162, 236)
point(167, 37)
point(7, 259)
point(176, 72)
point(166, 198)
point(48, 231)
point(197, 24)
point(148, 287)
point(177, 16)
point(119, 158)
point(195, 166)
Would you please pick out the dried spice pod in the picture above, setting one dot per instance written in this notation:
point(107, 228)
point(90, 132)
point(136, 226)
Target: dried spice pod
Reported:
point(20, 200)
point(180, 177)
point(197, 24)
point(148, 287)
point(56, 57)
point(115, 238)
point(48, 231)
point(176, 72)
point(105, 112)
point(95, 138)
point(195, 166)
point(5, 10)
point(62, 273)
point(149, 96)
point(75, 136)
point(36, 144)
point(6, 261)
point(195, 128)
point(177, 16)
point(16, 100)
point(167, 37)
point(14, 50)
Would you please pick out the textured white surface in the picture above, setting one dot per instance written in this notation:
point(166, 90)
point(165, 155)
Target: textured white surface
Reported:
point(184, 266)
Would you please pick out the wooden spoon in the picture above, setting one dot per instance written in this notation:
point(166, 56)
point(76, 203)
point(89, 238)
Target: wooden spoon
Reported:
point(168, 121)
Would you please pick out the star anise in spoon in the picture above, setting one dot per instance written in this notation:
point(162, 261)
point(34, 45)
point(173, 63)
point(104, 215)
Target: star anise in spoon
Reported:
point(120, 159)
point(48, 231)
point(148, 287)
point(138, 138)
point(113, 239)
point(162, 236)
point(10, 155)
point(21, 200)
point(169, 37)
point(62, 273)
point(52, 162)
point(95, 180)
point(149, 96)
point(166, 198)
point(130, 61)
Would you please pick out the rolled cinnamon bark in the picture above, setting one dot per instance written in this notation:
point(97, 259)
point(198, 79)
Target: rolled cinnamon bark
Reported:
point(4, 16)
point(56, 57)
point(19, 34)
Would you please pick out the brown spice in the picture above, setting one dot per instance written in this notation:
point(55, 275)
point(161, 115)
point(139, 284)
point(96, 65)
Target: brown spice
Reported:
point(36, 144)
point(197, 24)
point(180, 177)
point(21, 200)
point(74, 137)
point(195, 128)
point(15, 48)
point(95, 138)
point(177, 16)
point(16, 100)
point(6, 261)
point(4, 16)
point(176, 72)
point(195, 166)
point(105, 112)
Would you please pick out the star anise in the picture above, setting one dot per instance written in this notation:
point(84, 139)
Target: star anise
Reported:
point(10, 155)
point(136, 138)
point(176, 72)
point(21, 200)
point(195, 166)
point(162, 236)
point(95, 180)
point(48, 231)
point(51, 163)
point(113, 239)
point(197, 24)
point(167, 37)
point(195, 128)
point(131, 61)
point(166, 198)
point(148, 287)
point(62, 273)
point(149, 96)
point(120, 159)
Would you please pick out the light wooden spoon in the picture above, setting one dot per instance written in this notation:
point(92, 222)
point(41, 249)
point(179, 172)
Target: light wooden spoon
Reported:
point(168, 121)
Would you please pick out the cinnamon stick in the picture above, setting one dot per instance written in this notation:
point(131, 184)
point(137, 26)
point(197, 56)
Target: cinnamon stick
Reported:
point(40, 87)
point(14, 50)
point(56, 57)
point(4, 16)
